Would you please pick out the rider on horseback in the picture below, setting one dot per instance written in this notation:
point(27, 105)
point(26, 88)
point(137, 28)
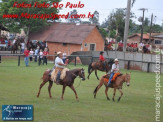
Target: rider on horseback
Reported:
point(115, 69)
point(102, 59)
point(59, 66)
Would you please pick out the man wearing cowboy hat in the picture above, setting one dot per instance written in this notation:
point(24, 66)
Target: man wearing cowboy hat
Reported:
point(59, 66)
point(115, 69)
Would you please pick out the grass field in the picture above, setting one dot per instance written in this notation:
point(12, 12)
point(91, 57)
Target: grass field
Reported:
point(19, 85)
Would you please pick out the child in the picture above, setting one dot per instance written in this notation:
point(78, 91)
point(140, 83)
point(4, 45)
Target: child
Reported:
point(45, 53)
point(31, 54)
point(26, 53)
point(40, 56)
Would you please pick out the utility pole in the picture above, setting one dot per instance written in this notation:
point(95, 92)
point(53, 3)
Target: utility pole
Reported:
point(141, 38)
point(126, 25)
point(151, 28)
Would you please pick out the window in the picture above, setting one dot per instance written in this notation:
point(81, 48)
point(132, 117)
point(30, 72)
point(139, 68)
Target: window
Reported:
point(64, 44)
point(85, 44)
point(158, 41)
point(92, 47)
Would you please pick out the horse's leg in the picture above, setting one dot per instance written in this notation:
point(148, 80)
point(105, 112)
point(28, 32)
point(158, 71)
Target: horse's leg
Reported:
point(73, 89)
point(106, 93)
point(114, 94)
point(97, 88)
point(42, 84)
point(49, 88)
point(90, 73)
point(120, 90)
point(96, 74)
point(63, 90)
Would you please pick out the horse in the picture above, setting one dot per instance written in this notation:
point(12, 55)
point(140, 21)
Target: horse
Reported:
point(15, 46)
point(67, 81)
point(99, 66)
point(117, 84)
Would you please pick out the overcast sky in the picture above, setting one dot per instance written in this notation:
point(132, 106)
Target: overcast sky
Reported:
point(104, 7)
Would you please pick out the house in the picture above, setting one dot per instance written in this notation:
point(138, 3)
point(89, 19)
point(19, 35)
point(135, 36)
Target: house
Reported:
point(2, 28)
point(70, 37)
point(156, 39)
point(135, 38)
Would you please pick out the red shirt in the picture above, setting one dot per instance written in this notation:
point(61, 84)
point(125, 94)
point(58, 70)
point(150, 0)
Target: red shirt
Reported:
point(102, 58)
point(45, 53)
point(26, 53)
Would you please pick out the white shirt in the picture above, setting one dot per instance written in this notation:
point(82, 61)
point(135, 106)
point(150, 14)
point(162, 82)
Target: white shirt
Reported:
point(114, 67)
point(31, 53)
point(41, 54)
point(64, 55)
point(14, 41)
point(22, 45)
point(58, 60)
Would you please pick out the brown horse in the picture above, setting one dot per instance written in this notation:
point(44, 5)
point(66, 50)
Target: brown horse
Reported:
point(99, 66)
point(67, 81)
point(15, 47)
point(116, 85)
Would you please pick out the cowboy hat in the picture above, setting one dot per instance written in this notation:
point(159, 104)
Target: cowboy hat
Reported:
point(116, 60)
point(59, 53)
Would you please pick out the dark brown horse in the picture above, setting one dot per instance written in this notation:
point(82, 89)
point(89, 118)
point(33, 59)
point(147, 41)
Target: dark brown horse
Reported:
point(67, 81)
point(94, 66)
point(15, 47)
point(117, 84)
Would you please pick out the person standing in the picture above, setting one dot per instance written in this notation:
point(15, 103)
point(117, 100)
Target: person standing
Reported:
point(36, 53)
point(22, 47)
point(26, 53)
point(64, 56)
point(45, 53)
point(31, 54)
point(40, 57)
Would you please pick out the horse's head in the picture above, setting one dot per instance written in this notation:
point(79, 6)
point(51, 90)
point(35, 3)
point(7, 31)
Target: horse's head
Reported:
point(127, 79)
point(82, 74)
point(109, 63)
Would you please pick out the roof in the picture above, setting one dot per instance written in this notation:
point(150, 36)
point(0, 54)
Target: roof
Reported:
point(145, 36)
point(158, 36)
point(63, 33)
point(3, 28)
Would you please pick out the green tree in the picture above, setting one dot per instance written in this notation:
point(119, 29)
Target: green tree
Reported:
point(74, 19)
point(95, 19)
point(29, 25)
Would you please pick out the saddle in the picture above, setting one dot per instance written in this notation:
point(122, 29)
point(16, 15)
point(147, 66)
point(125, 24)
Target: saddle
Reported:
point(55, 72)
point(106, 77)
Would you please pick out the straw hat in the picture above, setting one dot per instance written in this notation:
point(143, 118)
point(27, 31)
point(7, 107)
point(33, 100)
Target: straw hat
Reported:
point(59, 53)
point(116, 60)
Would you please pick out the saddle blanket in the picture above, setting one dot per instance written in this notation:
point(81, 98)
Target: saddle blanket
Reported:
point(55, 72)
point(106, 79)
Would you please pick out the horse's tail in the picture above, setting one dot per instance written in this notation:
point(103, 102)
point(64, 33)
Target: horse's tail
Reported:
point(89, 68)
point(94, 92)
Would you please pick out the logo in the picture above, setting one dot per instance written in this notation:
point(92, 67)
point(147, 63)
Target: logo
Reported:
point(17, 112)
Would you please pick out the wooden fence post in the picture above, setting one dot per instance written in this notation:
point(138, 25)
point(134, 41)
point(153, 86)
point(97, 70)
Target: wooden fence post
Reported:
point(19, 60)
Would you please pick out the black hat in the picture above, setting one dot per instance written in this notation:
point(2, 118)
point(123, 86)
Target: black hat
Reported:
point(101, 52)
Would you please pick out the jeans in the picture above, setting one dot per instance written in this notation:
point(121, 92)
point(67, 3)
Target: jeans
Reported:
point(22, 50)
point(110, 78)
point(26, 60)
point(35, 58)
point(58, 76)
point(44, 60)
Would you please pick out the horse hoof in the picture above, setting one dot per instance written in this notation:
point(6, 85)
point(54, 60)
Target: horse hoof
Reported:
point(108, 98)
point(62, 99)
point(119, 99)
point(94, 96)
point(113, 99)
point(77, 100)
point(50, 97)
